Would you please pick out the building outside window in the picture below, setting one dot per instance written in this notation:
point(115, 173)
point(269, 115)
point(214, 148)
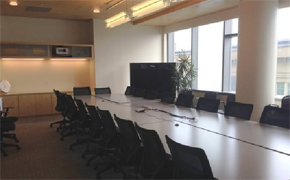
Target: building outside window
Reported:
point(280, 88)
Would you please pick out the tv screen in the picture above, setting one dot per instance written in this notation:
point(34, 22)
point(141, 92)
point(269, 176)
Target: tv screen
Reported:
point(153, 76)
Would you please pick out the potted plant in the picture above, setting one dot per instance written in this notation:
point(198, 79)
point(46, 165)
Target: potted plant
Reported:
point(184, 72)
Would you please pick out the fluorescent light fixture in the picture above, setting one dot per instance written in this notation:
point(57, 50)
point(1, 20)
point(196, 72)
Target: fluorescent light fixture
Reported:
point(68, 59)
point(147, 7)
point(22, 59)
point(114, 5)
point(117, 19)
point(13, 3)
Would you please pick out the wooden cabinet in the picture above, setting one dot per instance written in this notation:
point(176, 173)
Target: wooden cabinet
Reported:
point(46, 51)
point(43, 104)
point(27, 105)
point(30, 104)
point(11, 101)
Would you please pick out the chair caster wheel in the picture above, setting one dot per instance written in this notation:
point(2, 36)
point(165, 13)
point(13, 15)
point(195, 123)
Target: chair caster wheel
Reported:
point(18, 148)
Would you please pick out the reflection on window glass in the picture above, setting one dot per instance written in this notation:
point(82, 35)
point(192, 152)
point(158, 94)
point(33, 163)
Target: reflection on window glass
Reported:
point(283, 52)
point(210, 52)
point(182, 42)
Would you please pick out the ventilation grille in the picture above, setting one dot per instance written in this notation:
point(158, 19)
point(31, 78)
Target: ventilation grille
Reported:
point(37, 9)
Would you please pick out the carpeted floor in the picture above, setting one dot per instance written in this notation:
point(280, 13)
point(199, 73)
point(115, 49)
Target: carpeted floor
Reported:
point(43, 155)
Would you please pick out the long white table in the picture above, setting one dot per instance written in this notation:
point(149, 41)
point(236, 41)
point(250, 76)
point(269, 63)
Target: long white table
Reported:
point(237, 149)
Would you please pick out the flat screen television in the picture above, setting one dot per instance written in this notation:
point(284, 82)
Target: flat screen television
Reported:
point(153, 76)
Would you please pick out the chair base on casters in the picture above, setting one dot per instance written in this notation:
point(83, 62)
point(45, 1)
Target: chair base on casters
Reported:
point(8, 145)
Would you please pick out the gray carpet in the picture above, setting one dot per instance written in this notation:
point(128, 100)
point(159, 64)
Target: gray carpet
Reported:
point(44, 156)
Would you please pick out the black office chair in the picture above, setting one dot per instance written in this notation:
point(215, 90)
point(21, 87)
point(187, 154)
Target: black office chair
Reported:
point(139, 92)
point(231, 98)
point(95, 131)
point(276, 116)
point(210, 105)
point(184, 100)
point(190, 162)
point(104, 90)
point(81, 125)
point(129, 151)
point(285, 102)
point(210, 95)
point(130, 90)
point(156, 163)
point(168, 97)
point(239, 110)
point(150, 94)
point(7, 125)
point(81, 91)
point(72, 114)
point(59, 107)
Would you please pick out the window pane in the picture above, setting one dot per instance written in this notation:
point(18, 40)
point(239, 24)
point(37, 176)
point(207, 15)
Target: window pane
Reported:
point(182, 42)
point(288, 89)
point(280, 88)
point(234, 61)
point(210, 52)
point(283, 52)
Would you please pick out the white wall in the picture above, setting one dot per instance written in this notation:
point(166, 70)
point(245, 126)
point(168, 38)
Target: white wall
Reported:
point(117, 47)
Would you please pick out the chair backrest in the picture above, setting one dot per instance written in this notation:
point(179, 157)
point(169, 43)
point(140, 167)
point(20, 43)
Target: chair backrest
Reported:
point(81, 91)
point(239, 110)
point(130, 90)
point(168, 97)
point(110, 135)
point(184, 99)
point(276, 116)
point(154, 155)
point(190, 162)
point(83, 114)
point(72, 110)
point(210, 95)
point(59, 103)
point(285, 102)
point(104, 90)
point(139, 92)
point(231, 98)
point(96, 124)
point(130, 144)
point(150, 94)
point(211, 105)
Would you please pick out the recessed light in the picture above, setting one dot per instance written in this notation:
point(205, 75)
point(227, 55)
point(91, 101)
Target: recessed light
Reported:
point(13, 3)
point(96, 10)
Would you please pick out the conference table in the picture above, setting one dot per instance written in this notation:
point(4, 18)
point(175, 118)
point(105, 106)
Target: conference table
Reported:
point(236, 149)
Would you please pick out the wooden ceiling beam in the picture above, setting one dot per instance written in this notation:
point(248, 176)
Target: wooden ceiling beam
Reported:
point(167, 11)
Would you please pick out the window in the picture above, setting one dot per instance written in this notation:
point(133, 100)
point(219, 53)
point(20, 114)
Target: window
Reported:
point(230, 55)
point(280, 88)
point(179, 41)
point(213, 48)
point(288, 89)
point(210, 53)
point(283, 52)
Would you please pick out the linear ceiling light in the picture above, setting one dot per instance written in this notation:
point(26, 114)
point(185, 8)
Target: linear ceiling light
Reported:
point(147, 7)
point(22, 59)
point(114, 5)
point(118, 19)
point(68, 59)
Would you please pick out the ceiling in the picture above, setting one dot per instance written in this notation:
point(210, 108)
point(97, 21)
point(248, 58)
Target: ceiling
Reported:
point(179, 10)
